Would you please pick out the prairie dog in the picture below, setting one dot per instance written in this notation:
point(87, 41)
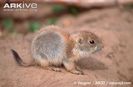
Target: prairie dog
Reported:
point(52, 47)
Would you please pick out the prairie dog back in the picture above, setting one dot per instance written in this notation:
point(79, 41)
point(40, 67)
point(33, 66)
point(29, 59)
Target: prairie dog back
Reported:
point(50, 44)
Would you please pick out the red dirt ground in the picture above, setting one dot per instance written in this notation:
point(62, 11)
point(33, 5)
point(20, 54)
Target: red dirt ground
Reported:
point(114, 63)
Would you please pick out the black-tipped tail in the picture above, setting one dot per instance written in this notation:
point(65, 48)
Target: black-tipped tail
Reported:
point(19, 60)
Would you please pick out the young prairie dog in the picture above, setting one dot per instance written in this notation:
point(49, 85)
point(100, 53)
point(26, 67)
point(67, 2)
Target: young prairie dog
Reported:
point(52, 47)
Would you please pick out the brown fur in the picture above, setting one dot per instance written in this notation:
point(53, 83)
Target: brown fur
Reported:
point(74, 47)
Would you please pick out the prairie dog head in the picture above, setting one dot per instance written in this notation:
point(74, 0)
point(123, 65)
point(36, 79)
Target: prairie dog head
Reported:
point(86, 43)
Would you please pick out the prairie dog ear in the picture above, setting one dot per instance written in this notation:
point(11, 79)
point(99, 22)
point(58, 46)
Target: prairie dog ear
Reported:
point(77, 38)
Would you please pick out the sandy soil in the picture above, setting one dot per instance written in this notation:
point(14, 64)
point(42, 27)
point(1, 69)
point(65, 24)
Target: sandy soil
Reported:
point(114, 63)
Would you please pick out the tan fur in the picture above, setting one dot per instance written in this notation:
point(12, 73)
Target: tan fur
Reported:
point(52, 46)
point(71, 52)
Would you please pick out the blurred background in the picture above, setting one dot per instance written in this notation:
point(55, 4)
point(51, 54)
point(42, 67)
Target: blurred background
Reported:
point(57, 12)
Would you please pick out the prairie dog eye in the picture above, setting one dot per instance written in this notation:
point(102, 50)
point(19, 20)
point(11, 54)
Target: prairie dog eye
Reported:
point(91, 41)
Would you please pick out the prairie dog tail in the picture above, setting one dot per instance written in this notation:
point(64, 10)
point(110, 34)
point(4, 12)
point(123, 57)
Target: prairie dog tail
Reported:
point(19, 60)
